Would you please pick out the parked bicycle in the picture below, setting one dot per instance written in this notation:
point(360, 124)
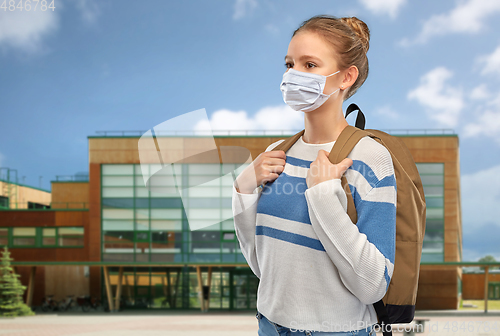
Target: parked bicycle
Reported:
point(87, 303)
point(49, 304)
point(67, 304)
point(123, 303)
point(142, 303)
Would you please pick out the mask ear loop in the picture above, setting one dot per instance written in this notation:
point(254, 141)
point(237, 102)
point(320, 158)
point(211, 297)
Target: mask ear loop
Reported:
point(333, 92)
point(325, 84)
point(333, 73)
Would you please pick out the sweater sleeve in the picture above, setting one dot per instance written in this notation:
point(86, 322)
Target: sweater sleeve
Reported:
point(244, 208)
point(363, 253)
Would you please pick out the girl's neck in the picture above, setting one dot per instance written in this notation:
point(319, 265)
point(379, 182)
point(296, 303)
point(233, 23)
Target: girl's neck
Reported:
point(324, 124)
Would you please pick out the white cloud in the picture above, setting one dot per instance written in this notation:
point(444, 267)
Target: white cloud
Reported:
point(383, 7)
point(474, 255)
point(487, 124)
point(387, 111)
point(467, 17)
point(480, 92)
point(491, 62)
point(243, 7)
point(443, 102)
point(89, 10)
point(271, 118)
point(25, 30)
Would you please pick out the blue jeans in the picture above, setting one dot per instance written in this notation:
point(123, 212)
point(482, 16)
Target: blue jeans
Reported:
point(268, 328)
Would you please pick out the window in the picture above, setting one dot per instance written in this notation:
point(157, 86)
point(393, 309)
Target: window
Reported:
point(4, 202)
point(228, 236)
point(432, 176)
point(42, 237)
point(459, 247)
point(33, 205)
point(142, 236)
point(70, 236)
point(49, 236)
point(24, 236)
point(4, 237)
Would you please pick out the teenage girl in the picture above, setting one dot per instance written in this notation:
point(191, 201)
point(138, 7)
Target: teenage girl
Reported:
point(319, 273)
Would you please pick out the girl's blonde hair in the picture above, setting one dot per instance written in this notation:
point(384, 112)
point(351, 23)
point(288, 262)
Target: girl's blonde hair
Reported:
point(350, 38)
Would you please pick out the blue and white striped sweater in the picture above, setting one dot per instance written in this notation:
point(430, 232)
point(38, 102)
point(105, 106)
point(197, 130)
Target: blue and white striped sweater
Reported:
point(315, 266)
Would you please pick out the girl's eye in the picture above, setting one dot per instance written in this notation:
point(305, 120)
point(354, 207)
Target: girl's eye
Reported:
point(288, 65)
point(310, 65)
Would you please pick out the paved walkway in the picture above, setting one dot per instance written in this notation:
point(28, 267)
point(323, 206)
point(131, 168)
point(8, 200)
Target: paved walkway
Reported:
point(150, 323)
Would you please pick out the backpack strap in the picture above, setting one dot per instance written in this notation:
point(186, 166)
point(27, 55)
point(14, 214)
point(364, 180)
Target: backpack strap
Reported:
point(285, 145)
point(344, 144)
point(360, 118)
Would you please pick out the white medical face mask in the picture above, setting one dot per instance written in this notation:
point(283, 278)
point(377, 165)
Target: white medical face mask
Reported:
point(303, 91)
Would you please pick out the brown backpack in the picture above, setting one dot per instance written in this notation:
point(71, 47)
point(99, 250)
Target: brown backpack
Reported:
point(398, 304)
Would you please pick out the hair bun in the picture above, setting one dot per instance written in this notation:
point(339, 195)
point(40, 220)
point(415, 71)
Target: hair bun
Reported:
point(360, 29)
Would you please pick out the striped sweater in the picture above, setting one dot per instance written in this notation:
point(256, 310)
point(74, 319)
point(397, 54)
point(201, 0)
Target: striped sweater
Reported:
point(317, 270)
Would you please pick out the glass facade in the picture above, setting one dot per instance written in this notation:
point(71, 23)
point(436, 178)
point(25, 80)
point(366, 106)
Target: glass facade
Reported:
point(432, 175)
point(177, 288)
point(141, 224)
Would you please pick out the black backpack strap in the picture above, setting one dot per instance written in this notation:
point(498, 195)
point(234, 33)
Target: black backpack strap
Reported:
point(360, 119)
point(383, 318)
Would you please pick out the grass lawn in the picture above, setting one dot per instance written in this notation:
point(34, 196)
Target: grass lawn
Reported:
point(492, 304)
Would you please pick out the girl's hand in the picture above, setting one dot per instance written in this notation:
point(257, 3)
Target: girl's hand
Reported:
point(322, 169)
point(265, 168)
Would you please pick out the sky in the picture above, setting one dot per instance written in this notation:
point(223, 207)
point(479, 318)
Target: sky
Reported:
point(87, 66)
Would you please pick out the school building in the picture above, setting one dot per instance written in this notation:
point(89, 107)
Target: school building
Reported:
point(110, 235)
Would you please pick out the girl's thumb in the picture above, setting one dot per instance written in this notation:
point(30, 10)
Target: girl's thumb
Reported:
point(345, 164)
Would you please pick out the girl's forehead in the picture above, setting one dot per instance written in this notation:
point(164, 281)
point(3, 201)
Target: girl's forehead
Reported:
point(311, 44)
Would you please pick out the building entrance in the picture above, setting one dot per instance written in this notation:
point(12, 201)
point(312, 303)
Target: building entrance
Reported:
point(232, 288)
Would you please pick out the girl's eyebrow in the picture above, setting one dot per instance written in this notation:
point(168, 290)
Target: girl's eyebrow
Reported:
point(304, 57)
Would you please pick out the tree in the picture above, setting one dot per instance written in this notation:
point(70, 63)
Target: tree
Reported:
point(11, 290)
point(488, 259)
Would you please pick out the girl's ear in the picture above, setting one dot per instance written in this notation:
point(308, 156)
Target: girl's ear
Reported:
point(350, 77)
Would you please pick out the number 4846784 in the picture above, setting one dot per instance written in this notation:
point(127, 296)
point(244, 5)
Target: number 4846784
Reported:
point(27, 5)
